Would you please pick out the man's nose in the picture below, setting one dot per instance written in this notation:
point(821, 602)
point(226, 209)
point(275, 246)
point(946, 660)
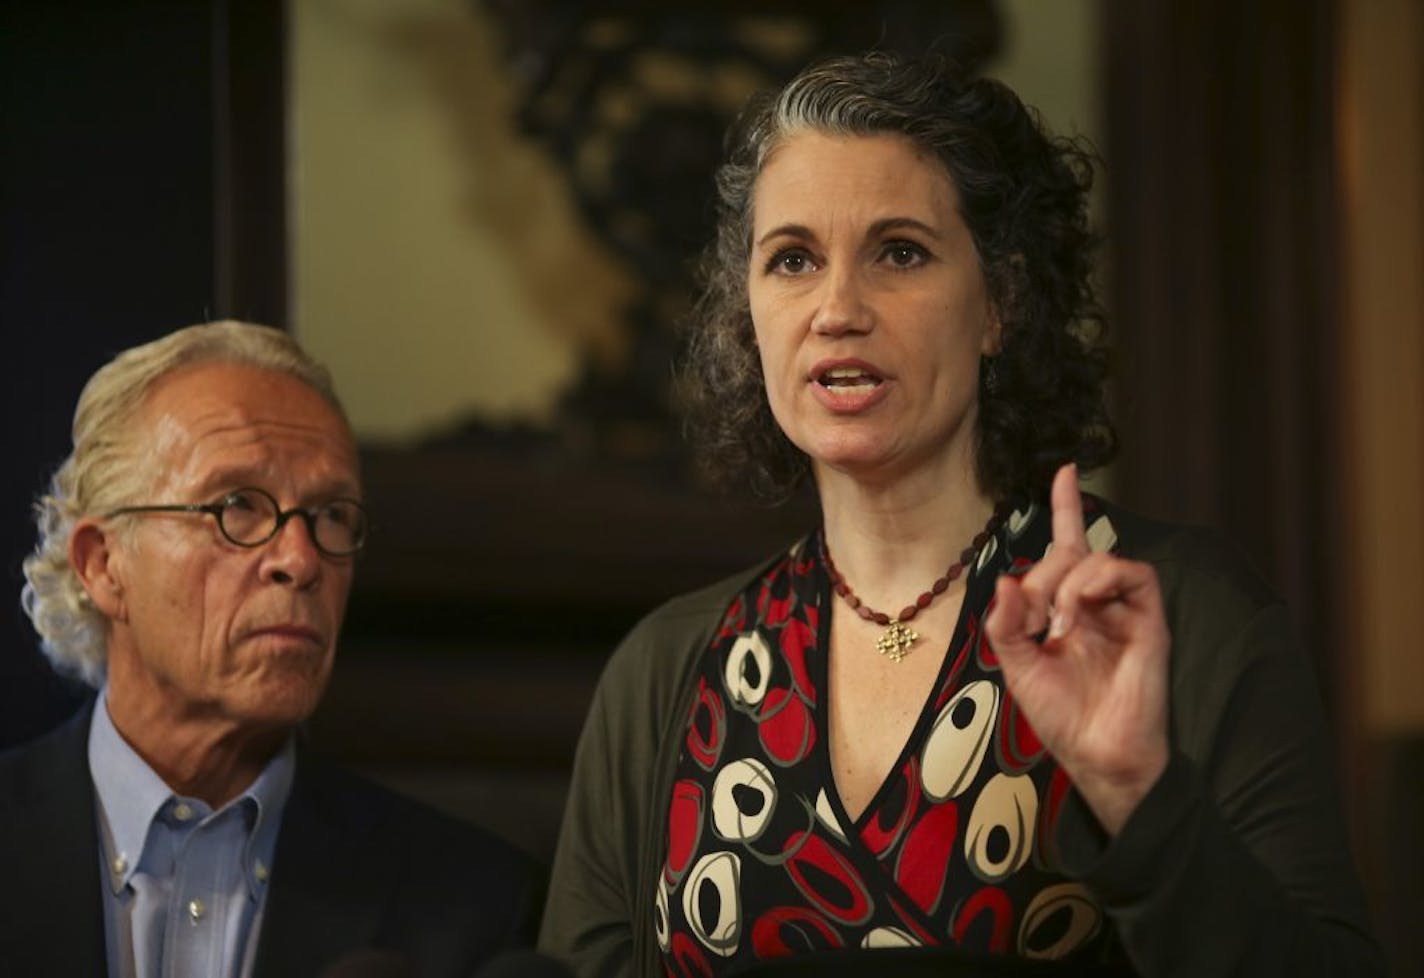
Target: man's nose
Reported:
point(291, 556)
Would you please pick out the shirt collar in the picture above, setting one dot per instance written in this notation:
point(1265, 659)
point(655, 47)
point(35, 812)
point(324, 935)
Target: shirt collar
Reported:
point(131, 795)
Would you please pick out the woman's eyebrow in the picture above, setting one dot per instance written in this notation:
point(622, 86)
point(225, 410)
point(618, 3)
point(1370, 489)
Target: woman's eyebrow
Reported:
point(877, 228)
point(788, 230)
point(898, 223)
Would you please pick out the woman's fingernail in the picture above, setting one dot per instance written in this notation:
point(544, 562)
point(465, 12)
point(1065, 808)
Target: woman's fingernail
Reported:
point(1057, 625)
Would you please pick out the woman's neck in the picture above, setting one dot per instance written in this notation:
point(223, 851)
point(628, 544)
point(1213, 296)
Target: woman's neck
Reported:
point(892, 539)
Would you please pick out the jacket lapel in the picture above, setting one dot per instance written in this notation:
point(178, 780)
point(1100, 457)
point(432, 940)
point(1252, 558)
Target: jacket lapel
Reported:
point(51, 905)
point(327, 897)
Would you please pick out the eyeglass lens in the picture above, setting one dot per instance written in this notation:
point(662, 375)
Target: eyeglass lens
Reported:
point(250, 517)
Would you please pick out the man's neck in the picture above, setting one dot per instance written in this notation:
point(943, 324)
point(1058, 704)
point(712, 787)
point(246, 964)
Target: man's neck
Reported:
point(197, 756)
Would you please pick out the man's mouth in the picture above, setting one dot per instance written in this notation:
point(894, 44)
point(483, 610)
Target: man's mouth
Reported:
point(299, 632)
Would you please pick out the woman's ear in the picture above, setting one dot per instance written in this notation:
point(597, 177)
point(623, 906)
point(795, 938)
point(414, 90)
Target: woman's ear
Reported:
point(1001, 307)
point(95, 559)
point(993, 343)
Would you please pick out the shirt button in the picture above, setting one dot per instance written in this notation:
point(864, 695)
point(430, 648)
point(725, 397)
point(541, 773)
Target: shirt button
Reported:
point(261, 872)
point(182, 811)
point(196, 910)
point(120, 864)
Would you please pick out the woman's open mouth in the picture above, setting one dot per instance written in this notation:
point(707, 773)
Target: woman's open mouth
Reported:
point(847, 386)
point(849, 380)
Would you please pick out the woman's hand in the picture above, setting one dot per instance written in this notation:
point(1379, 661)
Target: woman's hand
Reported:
point(1095, 688)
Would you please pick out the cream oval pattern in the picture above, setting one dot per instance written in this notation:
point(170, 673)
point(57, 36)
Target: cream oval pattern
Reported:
point(1008, 804)
point(748, 649)
point(827, 816)
point(1019, 519)
point(1102, 535)
point(889, 937)
point(661, 925)
point(729, 820)
point(952, 754)
point(723, 872)
point(986, 553)
point(1085, 918)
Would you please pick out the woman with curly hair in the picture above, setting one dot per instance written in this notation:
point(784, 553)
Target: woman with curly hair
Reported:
point(976, 716)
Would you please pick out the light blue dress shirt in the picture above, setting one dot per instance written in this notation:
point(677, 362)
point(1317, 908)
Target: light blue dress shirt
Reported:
point(184, 884)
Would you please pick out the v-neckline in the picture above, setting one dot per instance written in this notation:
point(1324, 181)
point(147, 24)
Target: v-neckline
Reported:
point(918, 733)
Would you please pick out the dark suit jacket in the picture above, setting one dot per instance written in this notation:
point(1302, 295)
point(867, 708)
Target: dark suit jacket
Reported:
point(356, 867)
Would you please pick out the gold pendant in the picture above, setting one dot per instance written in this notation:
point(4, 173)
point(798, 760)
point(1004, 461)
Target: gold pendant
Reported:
point(897, 640)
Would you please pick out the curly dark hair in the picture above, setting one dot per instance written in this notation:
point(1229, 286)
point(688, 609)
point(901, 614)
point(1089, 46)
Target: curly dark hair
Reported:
point(1023, 195)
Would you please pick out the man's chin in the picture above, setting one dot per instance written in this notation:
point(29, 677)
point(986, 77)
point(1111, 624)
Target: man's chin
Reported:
point(280, 703)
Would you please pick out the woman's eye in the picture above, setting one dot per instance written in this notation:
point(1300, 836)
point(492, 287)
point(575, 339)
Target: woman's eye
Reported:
point(790, 261)
point(904, 254)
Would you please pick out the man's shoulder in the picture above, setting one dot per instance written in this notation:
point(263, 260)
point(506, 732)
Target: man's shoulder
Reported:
point(369, 813)
point(53, 922)
point(359, 865)
point(33, 772)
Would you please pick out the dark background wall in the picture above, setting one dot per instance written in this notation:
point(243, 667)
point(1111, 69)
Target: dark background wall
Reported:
point(138, 194)
point(107, 196)
point(140, 188)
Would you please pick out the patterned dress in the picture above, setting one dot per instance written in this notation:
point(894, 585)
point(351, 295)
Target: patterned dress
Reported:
point(955, 848)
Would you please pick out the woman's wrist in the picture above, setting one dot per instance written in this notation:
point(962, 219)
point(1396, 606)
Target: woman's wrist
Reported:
point(1113, 797)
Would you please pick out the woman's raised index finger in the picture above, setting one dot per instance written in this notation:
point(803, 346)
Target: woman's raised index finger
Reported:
point(1067, 502)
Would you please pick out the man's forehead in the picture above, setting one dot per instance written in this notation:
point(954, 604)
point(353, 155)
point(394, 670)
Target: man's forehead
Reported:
point(209, 418)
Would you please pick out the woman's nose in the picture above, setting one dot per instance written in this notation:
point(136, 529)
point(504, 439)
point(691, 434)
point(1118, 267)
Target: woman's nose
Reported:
point(843, 306)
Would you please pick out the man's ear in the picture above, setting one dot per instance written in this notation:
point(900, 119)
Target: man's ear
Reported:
point(94, 557)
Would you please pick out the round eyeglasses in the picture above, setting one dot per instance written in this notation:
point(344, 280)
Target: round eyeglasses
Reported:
point(250, 517)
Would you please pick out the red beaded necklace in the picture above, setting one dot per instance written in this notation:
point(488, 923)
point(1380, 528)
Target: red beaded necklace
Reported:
point(898, 638)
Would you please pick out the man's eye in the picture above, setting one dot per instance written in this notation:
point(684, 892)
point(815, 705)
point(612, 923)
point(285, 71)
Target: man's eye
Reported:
point(242, 502)
point(248, 502)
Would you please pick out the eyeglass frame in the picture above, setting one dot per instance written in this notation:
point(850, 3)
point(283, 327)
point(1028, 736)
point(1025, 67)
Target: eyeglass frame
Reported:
point(216, 510)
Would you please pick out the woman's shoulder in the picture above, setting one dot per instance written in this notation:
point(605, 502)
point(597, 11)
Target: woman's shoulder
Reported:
point(1225, 620)
point(665, 639)
point(1186, 557)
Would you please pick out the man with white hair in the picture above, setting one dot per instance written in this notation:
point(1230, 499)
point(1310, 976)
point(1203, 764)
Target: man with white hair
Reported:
point(195, 554)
